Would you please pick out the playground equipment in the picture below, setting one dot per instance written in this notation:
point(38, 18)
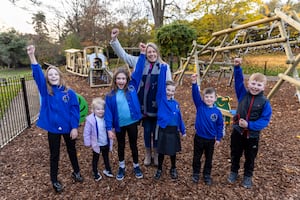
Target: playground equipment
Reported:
point(276, 28)
point(89, 62)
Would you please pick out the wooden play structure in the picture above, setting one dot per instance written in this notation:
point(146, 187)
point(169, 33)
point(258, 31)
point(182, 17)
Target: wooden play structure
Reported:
point(219, 52)
point(91, 63)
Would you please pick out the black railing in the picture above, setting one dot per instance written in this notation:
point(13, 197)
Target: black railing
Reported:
point(19, 106)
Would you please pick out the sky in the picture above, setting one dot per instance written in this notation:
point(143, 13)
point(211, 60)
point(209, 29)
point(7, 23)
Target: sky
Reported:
point(19, 19)
point(11, 16)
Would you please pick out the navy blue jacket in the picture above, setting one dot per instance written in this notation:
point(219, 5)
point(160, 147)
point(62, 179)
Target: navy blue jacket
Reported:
point(261, 111)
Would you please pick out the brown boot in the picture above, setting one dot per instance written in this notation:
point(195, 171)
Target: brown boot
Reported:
point(147, 160)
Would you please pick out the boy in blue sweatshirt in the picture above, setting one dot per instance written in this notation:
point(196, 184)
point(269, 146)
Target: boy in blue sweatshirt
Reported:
point(253, 114)
point(209, 130)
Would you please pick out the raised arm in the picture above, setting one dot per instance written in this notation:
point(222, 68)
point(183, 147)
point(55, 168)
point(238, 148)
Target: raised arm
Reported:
point(161, 86)
point(37, 72)
point(239, 85)
point(139, 68)
point(195, 91)
point(118, 49)
point(31, 55)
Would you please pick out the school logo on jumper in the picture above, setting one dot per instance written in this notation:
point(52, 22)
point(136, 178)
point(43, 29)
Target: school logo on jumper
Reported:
point(214, 117)
point(66, 98)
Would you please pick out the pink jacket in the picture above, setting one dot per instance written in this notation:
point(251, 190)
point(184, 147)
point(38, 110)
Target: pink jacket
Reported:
point(90, 134)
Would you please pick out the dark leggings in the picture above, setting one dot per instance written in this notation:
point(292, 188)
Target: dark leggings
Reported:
point(54, 146)
point(132, 132)
point(104, 150)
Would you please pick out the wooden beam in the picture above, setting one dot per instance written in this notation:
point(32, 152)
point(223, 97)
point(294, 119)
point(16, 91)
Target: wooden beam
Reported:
point(288, 19)
point(243, 26)
point(289, 79)
point(263, 42)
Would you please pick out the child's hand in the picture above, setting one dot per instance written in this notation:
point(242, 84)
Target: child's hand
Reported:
point(237, 61)
point(74, 133)
point(243, 123)
point(111, 135)
point(114, 33)
point(30, 50)
point(194, 78)
point(142, 47)
point(217, 143)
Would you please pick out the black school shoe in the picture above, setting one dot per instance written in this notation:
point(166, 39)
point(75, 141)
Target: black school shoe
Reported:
point(57, 187)
point(77, 177)
point(207, 180)
point(173, 172)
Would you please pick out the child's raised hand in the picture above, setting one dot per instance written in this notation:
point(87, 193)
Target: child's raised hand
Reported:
point(114, 33)
point(237, 61)
point(194, 78)
point(30, 50)
point(142, 47)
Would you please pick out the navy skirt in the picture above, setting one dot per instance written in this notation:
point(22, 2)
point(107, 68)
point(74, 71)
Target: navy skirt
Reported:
point(168, 140)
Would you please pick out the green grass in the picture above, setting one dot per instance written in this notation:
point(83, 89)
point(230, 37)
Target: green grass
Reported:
point(14, 72)
point(7, 94)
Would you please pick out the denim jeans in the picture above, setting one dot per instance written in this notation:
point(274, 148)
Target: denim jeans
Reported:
point(149, 124)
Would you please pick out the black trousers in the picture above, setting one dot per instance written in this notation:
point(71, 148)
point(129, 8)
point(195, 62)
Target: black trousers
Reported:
point(239, 145)
point(202, 145)
point(54, 146)
point(132, 132)
point(104, 150)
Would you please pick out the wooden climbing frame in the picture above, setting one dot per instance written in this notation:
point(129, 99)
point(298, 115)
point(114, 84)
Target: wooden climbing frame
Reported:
point(279, 20)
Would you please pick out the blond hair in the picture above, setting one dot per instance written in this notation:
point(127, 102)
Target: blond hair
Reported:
point(259, 77)
point(98, 101)
point(154, 46)
point(62, 82)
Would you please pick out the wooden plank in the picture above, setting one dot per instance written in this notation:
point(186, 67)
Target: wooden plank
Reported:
point(289, 79)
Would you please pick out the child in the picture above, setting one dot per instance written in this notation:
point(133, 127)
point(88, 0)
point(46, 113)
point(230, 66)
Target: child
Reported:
point(147, 91)
point(59, 115)
point(253, 114)
point(209, 130)
point(170, 122)
point(95, 136)
point(123, 112)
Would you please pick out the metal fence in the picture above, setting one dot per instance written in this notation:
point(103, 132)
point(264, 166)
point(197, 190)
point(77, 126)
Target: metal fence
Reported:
point(19, 106)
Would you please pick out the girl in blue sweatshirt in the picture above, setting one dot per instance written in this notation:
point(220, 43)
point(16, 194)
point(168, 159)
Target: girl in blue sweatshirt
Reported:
point(170, 123)
point(123, 112)
point(59, 115)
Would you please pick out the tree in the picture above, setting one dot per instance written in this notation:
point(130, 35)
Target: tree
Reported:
point(175, 39)
point(12, 48)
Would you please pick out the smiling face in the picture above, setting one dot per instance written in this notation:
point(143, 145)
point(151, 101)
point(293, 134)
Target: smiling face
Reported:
point(99, 110)
point(256, 83)
point(121, 80)
point(151, 54)
point(170, 89)
point(255, 87)
point(209, 99)
point(53, 77)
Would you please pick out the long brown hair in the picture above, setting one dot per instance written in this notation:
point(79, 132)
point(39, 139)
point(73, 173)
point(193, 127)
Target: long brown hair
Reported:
point(62, 82)
point(120, 70)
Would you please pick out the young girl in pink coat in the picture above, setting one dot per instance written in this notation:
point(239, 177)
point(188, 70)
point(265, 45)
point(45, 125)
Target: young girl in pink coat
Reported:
point(95, 136)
